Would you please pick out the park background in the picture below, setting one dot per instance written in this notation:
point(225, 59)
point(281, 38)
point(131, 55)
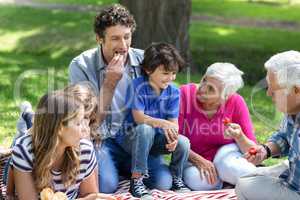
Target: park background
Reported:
point(39, 38)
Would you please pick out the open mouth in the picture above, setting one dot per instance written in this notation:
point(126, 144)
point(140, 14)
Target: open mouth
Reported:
point(120, 53)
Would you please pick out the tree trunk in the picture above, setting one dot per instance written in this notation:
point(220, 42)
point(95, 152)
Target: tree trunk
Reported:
point(161, 21)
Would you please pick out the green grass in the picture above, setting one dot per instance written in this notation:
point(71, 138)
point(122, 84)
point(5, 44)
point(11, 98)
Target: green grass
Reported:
point(82, 2)
point(243, 9)
point(37, 46)
point(248, 48)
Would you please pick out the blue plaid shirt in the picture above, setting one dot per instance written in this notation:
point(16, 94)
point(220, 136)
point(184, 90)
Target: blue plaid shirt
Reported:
point(288, 139)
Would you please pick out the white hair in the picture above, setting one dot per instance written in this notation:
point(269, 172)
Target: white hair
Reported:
point(229, 75)
point(286, 66)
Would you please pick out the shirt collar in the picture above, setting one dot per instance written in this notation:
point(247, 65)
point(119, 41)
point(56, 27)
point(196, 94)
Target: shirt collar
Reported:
point(132, 59)
point(149, 88)
point(296, 121)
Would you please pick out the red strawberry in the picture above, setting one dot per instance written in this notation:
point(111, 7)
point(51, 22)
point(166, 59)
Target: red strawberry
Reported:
point(252, 151)
point(226, 121)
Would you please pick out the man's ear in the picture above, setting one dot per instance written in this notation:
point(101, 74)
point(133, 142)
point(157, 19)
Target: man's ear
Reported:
point(297, 90)
point(99, 39)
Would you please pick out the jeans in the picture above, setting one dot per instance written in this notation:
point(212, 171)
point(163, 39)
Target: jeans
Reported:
point(265, 184)
point(230, 165)
point(145, 140)
point(114, 161)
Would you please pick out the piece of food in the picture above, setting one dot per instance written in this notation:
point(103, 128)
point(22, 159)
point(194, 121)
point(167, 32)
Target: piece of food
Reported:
point(252, 151)
point(226, 121)
point(47, 194)
point(59, 196)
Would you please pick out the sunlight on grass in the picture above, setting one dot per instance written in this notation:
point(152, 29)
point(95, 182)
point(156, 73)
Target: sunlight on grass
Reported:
point(9, 39)
point(223, 31)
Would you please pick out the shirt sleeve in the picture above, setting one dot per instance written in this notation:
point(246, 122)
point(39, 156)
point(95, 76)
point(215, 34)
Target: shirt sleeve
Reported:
point(76, 72)
point(280, 138)
point(22, 158)
point(136, 97)
point(173, 105)
point(88, 160)
point(242, 117)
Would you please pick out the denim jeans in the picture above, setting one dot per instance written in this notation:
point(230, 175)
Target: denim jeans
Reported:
point(114, 161)
point(144, 141)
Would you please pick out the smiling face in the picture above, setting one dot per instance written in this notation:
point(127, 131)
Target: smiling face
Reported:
point(161, 78)
point(286, 101)
point(117, 39)
point(209, 92)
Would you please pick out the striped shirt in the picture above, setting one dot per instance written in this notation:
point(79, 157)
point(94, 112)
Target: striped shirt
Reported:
point(23, 158)
point(288, 140)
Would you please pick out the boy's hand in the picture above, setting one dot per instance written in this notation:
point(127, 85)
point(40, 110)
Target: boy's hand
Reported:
point(171, 134)
point(172, 146)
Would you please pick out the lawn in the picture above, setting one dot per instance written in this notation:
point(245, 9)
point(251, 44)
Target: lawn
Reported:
point(37, 46)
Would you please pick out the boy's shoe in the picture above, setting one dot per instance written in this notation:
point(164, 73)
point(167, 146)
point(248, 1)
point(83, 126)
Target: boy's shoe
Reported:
point(178, 185)
point(138, 189)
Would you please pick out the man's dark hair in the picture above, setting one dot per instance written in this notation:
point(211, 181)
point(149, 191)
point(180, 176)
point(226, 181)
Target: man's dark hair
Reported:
point(111, 16)
point(162, 54)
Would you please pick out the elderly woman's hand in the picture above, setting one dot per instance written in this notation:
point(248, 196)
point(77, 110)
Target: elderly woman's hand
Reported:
point(233, 131)
point(207, 169)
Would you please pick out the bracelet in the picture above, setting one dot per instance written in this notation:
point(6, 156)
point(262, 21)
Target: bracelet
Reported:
point(268, 150)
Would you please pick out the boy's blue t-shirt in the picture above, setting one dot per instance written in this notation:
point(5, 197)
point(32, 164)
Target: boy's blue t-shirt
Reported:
point(141, 96)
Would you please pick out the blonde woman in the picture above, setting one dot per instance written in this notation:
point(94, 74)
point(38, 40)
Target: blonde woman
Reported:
point(54, 155)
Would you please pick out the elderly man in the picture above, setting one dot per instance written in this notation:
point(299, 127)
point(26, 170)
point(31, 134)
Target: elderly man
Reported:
point(283, 77)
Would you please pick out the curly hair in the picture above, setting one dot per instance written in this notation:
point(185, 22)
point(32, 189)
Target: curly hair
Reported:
point(162, 54)
point(111, 16)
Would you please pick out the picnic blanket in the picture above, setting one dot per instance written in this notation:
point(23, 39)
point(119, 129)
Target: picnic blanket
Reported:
point(229, 194)
point(123, 193)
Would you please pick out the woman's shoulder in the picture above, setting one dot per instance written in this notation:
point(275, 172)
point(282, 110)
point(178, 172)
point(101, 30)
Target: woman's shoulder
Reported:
point(190, 87)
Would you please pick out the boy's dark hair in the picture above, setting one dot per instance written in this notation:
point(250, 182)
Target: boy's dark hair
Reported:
point(111, 16)
point(162, 54)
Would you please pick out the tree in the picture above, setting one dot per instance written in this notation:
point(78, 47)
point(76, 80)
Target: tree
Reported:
point(161, 21)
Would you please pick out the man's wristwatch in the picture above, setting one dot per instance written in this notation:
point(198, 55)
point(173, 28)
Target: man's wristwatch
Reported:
point(268, 150)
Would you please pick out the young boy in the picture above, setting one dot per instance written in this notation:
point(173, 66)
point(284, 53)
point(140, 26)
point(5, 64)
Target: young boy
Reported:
point(151, 123)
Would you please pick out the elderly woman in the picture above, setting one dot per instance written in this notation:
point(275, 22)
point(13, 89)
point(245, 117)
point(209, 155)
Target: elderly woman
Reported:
point(217, 149)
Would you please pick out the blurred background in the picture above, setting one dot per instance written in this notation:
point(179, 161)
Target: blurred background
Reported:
point(39, 38)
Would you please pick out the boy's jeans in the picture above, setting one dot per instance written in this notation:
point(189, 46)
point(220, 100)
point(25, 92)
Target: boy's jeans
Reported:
point(145, 140)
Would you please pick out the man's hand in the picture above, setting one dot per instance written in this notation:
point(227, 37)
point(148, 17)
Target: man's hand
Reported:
point(115, 68)
point(261, 154)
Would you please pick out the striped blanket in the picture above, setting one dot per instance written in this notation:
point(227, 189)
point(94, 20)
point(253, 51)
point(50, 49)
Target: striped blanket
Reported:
point(229, 194)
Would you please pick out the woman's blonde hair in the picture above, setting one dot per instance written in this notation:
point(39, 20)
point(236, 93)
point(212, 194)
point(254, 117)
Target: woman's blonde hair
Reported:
point(85, 93)
point(54, 110)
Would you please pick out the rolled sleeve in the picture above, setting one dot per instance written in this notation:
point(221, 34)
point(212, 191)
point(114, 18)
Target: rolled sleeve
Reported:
point(280, 139)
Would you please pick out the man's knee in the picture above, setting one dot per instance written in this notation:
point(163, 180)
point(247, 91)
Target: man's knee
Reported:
point(108, 184)
point(160, 177)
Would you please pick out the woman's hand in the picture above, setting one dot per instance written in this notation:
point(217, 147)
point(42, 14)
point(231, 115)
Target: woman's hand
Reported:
point(233, 131)
point(207, 169)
